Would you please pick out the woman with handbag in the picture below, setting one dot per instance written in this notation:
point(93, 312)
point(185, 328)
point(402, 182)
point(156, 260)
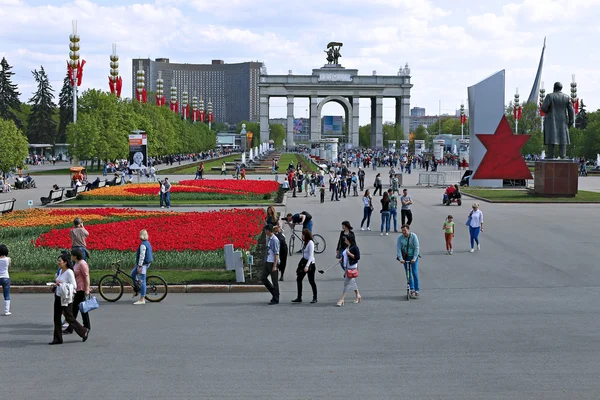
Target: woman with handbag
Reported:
point(341, 245)
point(64, 290)
point(82, 277)
point(349, 261)
point(367, 210)
point(307, 266)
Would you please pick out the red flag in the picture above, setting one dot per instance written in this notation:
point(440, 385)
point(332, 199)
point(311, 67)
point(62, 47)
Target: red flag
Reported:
point(70, 70)
point(138, 95)
point(80, 72)
point(202, 116)
point(519, 113)
point(210, 117)
point(119, 86)
point(576, 106)
point(111, 84)
point(515, 112)
point(542, 114)
point(144, 96)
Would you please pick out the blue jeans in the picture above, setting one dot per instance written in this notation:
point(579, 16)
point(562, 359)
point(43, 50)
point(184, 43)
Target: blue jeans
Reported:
point(367, 216)
point(394, 215)
point(414, 275)
point(141, 278)
point(168, 199)
point(308, 225)
point(474, 233)
point(5, 282)
point(385, 221)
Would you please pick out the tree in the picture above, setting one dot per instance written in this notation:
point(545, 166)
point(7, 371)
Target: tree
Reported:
point(393, 131)
point(220, 127)
point(581, 121)
point(419, 134)
point(277, 134)
point(530, 118)
point(9, 96)
point(14, 148)
point(364, 136)
point(42, 127)
point(65, 104)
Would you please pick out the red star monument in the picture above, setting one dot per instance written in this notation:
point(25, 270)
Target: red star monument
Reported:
point(503, 159)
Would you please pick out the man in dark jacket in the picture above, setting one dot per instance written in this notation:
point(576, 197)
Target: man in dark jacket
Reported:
point(283, 250)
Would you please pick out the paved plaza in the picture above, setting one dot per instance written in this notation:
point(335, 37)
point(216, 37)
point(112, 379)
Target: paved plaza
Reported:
point(517, 320)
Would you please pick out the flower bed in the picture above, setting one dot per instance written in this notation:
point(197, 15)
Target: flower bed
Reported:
point(188, 240)
point(209, 189)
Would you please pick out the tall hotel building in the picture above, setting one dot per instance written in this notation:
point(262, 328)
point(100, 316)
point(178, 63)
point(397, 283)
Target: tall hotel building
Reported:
point(232, 88)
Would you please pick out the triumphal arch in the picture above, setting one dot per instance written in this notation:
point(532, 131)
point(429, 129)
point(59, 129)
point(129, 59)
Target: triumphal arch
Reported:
point(344, 86)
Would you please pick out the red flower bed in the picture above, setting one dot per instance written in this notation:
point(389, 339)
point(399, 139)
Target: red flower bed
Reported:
point(231, 185)
point(172, 232)
point(152, 191)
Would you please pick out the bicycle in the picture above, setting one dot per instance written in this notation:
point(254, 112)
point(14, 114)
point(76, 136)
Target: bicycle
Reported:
point(111, 286)
point(317, 239)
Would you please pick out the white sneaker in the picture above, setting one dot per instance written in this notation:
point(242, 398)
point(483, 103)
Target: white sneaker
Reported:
point(139, 302)
point(162, 207)
point(368, 229)
point(387, 234)
point(478, 247)
point(447, 252)
point(451, 252)
point(381, 234)
point(471, 251)
point(362, 229)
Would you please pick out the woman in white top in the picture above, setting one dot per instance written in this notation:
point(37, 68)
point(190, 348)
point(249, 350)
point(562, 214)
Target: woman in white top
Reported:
point(64, 291)
point(307, 266)
point(4, 278)
point(367, 210)
point(475, 226)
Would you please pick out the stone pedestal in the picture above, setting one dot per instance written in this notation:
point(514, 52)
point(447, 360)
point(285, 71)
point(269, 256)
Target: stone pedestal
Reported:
point(558, 178)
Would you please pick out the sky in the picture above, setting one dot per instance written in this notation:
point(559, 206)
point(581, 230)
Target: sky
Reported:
point(449, 46)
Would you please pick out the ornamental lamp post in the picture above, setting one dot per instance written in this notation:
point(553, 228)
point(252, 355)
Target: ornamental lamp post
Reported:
point(574, 99)
point(463, 119)
point(194, 108)
point(184, 104)
point(209, 109)
point(517, 111)
point(173, 101)
point(201, 109)
point(160, 94)
point(141, 83)
point(115, 82)
point(542, 98)
point(74, 66)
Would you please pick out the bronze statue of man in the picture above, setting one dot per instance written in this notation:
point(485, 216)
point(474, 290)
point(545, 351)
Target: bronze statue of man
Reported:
point(559, 116)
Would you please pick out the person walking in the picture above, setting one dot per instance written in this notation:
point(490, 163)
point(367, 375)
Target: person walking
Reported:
point(448, 229)
point(306, 266)
point(223, 168)
point(167, 193)
point(333, 186)
point(385, 214)
point(270, 267)
point(349, 261)
point(378, 185)
point(393, 208)
point(82, 291)
point(143, 260)
point(405, 211)
point(367, 210)
point(78, 237)
point(341, 245)
point(5, 278)
point(475, 223)
point(64, 290)
point(361, 178)
point(407, 253)
point(283, 250)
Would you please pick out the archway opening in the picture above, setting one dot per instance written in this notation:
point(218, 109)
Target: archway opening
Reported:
point(335, 120)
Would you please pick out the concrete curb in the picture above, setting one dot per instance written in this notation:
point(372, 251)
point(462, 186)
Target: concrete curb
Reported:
point(527, 202)
point(172, 289)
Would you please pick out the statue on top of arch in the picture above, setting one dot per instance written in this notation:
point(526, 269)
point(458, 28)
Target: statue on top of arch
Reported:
point(333, 53)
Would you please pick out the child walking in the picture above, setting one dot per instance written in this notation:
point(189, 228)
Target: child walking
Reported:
point(4, 278)
point(448, 229)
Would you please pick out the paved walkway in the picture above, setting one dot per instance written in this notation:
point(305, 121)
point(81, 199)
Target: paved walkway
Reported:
point(517, 320)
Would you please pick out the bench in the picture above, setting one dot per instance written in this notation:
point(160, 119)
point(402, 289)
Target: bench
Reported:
point(75, 191)
point(117, 180)
point(7, 206)
point(55, 195)
point(102, 184)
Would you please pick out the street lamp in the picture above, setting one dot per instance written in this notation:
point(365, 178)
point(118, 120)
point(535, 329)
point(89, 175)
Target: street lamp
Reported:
point(173, 104)
point(184, 104)
point(115, 82)
point(542, 97)
point(74, 66)
point(463, 120)
point(574, 99)
point(517, 111)
point(209, 110)
point(194, 108)
point(160, 96)
point(141, 83)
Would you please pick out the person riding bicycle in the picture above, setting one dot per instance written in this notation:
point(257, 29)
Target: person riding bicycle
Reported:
point(143, 260)
point(303, 218)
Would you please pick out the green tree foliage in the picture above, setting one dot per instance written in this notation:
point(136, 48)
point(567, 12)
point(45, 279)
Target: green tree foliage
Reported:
point(65, 104)
point(392, 131)
point(14, 148)
point(9, 96)
point(220, 127)
point(277, 134)
point(364, 136)
point(530, 118)
point(104, 123)
point(581, 121)
point(42, 126)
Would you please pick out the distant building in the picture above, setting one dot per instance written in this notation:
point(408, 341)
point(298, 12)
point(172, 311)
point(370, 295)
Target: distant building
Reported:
point(232, 88)
point(426, 120)
point(417, 112)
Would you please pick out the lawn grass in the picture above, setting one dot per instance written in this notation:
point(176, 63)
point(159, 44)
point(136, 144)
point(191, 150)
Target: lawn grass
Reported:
point(190, 169)
point(173, 277)
point(526, 196)
point(286, 158)
point(144, 202)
